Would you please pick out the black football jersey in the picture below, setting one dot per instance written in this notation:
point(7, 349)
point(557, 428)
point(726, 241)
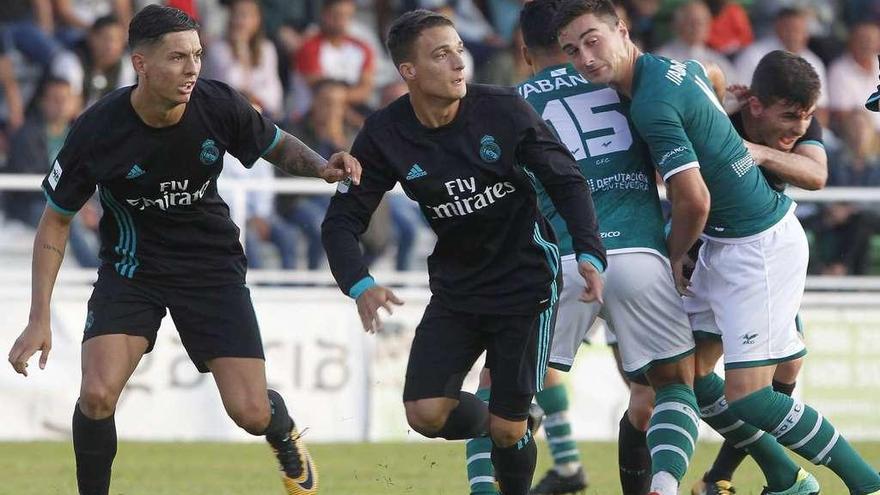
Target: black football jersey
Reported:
point(473, 180)
point(163, 221)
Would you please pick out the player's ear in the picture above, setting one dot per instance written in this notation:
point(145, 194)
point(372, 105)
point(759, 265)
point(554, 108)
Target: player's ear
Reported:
point(526, 55)
point(756, 108)
point(138, 62)
point(407, 70)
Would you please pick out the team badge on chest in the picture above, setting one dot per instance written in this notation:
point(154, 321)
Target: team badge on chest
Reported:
point(210, 152)
point(489, 150)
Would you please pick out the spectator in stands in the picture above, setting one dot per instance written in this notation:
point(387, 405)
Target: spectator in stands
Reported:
point(853, 75)
point(33, 147)
point(247, 60)
point(731, 30)
point(27, 26)
point(262, 225)
point(642, 16)
point(76, 17)
point(287, 23)
point(14, 117)
point(97, 65)
point(324, 130)
point(843, 230)
point(333, 53)
point(790, 32)
point(691, 24)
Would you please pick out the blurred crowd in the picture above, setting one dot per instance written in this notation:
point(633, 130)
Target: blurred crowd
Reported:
point(317, 68)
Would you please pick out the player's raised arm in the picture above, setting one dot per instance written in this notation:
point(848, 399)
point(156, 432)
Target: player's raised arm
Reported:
point(293, 156)
point(346, 220)
point(49, 243)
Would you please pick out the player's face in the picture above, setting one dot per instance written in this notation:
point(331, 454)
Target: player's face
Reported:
point(438, 68)
point(171, 67)
point(781, 123)
point(596, 48)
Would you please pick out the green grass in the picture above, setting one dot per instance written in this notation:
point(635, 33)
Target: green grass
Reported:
point(436, 468)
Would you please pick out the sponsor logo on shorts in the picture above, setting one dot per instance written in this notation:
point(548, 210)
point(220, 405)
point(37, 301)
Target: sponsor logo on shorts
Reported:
point(748, 338)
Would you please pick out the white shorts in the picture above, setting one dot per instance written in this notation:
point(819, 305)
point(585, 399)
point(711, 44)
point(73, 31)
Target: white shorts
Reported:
point(749, 291)
point(641, 308)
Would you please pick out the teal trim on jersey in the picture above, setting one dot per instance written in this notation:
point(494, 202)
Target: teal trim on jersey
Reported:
point(764, 362)
point(361, 286)
point(54, 205)
point(127, 245)
point(704, 335)
point(273, 143)
point(813, 142)
point(672, 359)
point(593, 260)
point(546, 317)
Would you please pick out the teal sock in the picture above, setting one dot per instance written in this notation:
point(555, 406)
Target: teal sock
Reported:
point(481, 474)
point(779, 470)
point(802, 429)
point(673, 430)
point(554, 401)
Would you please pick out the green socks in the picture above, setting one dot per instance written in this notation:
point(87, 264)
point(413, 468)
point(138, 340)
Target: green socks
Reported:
point(554, 401)
point(481, 474)
point(673, 430)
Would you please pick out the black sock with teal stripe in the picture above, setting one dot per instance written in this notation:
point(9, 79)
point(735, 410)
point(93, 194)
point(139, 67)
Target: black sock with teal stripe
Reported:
point(515, 465)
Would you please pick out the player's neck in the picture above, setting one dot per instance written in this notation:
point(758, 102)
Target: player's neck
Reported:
point(624, 81)
point(153, 110)
point(434, 112)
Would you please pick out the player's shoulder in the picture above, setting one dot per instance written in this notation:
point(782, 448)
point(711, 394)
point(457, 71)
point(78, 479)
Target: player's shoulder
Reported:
point(212, 89)
point(110, 112)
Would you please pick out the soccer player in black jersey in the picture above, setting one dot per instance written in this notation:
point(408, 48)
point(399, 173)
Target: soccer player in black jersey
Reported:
point(467, 154)
point(154, 151)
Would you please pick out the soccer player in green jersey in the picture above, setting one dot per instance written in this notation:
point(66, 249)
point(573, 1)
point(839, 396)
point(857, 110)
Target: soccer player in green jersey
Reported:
point(776, 121)
point(749, 278)
point(641, 303)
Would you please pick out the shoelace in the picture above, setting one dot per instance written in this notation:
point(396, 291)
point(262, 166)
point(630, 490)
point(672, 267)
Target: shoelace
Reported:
point(288, 456)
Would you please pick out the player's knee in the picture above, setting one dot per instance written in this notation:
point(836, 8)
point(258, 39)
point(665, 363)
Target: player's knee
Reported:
point(641, 407)
point(251, 416)
point(97, 400)
point(427, 421)
point(506, 433)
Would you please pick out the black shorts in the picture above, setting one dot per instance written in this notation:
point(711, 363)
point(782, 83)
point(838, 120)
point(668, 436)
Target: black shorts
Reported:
point(447, 343)
point(211, 321)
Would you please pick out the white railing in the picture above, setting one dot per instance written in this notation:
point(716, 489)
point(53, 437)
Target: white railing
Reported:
point(235, 193)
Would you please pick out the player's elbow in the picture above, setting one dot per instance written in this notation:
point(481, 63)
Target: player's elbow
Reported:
point(818, 180)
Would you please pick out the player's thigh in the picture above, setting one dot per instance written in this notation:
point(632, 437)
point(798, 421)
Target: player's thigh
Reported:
point(517, 358)
point(573, 318)
point(216, 322)
point(756, 295)
point(445, 346)
point(645, 311)
point(108, 361)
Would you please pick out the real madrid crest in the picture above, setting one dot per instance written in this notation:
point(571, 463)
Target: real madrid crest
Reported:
point(210, 152)
point(489, 150)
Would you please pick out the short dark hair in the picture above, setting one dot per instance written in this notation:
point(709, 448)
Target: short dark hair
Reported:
point(572, 9)
point(406, 29)
point(104, 21)
point(330, 3)
point(787, 12)
point(784, 76)
point(536, 24)
point(154, 21)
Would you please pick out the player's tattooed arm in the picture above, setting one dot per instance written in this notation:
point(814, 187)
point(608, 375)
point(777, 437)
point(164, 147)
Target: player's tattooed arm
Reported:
point(54, 249)
point(292, 156)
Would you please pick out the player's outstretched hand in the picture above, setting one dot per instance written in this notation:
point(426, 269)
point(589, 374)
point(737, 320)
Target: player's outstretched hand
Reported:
point(35, 337)
point(595, 284)
point(368, 305)
point(341, 166)
point(682, 284)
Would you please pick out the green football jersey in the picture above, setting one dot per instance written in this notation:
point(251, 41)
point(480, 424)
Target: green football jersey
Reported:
point(677, 113)
point(593, 122)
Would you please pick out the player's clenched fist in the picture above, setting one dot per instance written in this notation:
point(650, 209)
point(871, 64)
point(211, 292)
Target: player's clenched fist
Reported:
point(370, 301)
point(342, 166)
point(35, 337)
